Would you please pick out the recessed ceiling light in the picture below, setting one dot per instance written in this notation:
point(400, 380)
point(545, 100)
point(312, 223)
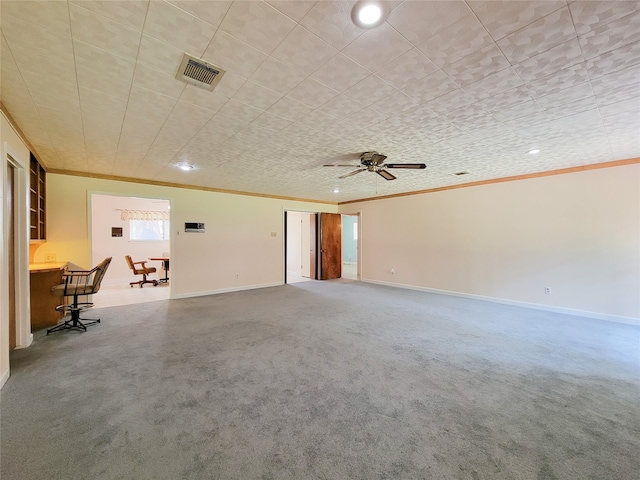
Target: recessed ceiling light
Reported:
point(367, 14)
point(336, 190)
point(185, 166)
point(534, 151)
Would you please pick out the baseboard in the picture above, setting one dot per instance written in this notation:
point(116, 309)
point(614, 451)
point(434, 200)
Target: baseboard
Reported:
point(516, 303)
point(226, 290)
point(30, 341)
point(4, 378)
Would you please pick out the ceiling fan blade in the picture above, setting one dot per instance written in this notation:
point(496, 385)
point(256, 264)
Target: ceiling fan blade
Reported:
point(338, 165)
point(353, 173)
point(405, 165)
point(386, 175)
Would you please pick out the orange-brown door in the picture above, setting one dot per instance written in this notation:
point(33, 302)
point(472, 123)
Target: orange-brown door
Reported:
point(330, 246)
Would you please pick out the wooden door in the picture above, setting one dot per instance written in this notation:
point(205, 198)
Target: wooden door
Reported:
point(11, 274)
point(330, 246)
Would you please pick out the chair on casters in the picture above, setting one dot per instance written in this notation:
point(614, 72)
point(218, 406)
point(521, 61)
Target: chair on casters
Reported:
point(141, 270)
point(78, 283)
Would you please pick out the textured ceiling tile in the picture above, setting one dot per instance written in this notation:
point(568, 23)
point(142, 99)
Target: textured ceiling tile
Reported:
point(457, 41)
point(340, 73)
point(258, 24)
point(407, 69)
point(607, 96)
point(149, 105)
point(573, 93)
point(501, 18)
point(571, 108)
point(554, 59)
point(477, 66)
point(331, 21)
point(370, 90)
point(203, 98)
point(240, 111)
point(554, 29)
point(312, 93)
point(341, 106)
point(277, 76)
point(131, 13)
point(494, 84)
point(377, 47)
point(230, 84)
point(176, 27)
point(453, 100)
point(52, 15)
point(159, 56)
point(431, 86)
point(210, 12)
point(158, 81)
point(271, 122)
point(289, 108)
point(589, 15)
point(520, 110)
point(613, 61)
point(256, 95)
point(565, 78)
point(99, 108)
point(30, 36)
point(103, 71)
point(52, 93)
point(100, 32)
point(60, 67)
point(229, 53)
point(419, 21)
point(618, 33)
point(628, 76)
point(294, 9)
point(394, 104)
point(303, 51)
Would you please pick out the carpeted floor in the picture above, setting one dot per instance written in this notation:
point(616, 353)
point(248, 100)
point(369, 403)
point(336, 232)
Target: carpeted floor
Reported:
point(325, 380)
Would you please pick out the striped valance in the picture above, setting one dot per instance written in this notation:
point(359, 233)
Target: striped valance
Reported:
point(143, 215)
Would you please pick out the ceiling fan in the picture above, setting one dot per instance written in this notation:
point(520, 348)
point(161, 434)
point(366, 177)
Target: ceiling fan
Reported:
point(374, 162)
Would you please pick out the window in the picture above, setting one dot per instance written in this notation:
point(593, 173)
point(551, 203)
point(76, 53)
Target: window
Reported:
point(149, 230)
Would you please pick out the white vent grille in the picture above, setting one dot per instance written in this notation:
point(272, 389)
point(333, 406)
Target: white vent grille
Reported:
point(199, 73)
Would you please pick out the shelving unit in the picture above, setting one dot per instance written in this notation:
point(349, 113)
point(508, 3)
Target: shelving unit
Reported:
point(37, 196)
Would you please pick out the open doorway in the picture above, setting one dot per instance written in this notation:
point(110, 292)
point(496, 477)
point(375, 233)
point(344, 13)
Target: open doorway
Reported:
point(300, 246)
point(140, 228)
point(321, 246)
point(350, 229)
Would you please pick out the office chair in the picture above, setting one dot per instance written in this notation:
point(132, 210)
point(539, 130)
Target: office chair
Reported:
point(78, 283)
point(141, 270)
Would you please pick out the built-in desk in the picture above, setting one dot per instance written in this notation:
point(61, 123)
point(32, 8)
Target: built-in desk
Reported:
point(43, 303)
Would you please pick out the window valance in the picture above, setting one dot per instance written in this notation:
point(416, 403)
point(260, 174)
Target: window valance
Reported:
point(143, 215)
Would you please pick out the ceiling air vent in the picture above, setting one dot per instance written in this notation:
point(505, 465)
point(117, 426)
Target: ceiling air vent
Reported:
point(199, 73)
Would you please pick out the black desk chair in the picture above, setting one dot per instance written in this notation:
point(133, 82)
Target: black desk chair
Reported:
point(78, 283)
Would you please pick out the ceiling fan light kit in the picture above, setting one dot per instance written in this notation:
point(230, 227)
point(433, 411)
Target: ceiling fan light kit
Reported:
point(374, 162)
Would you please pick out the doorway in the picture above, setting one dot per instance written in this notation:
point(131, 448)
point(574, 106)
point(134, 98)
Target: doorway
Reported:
point(123, 225)
point(10, 187)
point(321, 246)
point(300, 247)
point(350, 234)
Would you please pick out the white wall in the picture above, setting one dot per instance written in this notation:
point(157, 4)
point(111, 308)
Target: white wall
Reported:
point(11, 144)
point(237, 251)
point(577, 233)
point(105, 214)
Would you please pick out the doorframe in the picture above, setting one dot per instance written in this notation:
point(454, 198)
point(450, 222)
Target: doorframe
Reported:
point(357, 213)
point(284, 242)
point(24, 337)
point(172, 228)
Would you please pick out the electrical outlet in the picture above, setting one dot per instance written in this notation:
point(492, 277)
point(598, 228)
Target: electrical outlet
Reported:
point(49, 257)
point(393, 271)
point(547, 290)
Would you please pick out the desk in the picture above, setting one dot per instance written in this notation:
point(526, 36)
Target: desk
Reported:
point(165, 267)
point(43, 277)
